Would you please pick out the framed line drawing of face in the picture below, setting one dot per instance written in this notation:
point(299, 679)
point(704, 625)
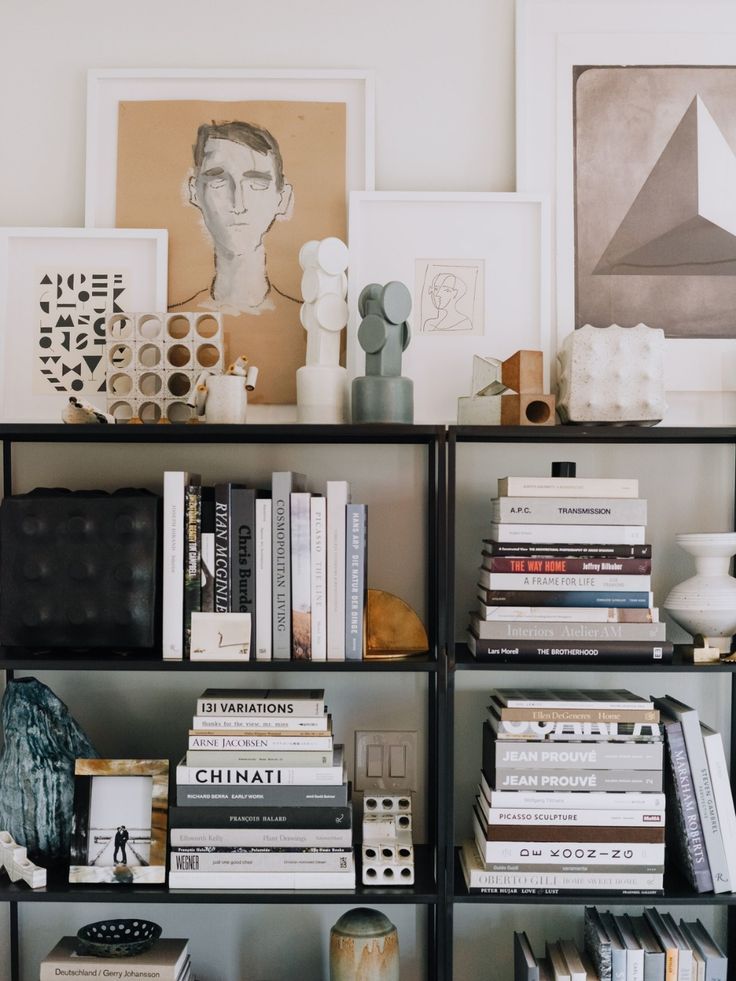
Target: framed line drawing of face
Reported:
point(249, 166)
point(625, 117)
point(120, 820)
point(58, 286)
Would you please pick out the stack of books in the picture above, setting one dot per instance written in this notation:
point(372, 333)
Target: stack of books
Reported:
point(623, 946)
point(262, 574)
point(566, 575)
point(262, 797)
point(167, 960)
point(570, 797)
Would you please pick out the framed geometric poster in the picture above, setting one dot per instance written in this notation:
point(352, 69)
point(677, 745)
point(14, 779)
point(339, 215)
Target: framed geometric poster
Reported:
point(58, 286)
point(242, 168)
point(477, 267)
point(626, 115)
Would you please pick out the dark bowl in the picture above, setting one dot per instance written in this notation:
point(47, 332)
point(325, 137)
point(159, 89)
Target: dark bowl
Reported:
point(117, 938)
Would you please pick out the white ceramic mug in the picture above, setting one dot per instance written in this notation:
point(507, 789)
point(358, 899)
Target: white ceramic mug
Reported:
point(227, 399)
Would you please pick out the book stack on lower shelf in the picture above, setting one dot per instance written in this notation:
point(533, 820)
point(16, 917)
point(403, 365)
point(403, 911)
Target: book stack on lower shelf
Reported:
point(168, 959)
point(570, 797)
point(262, 797)
point(566, 575)
point(618, 947)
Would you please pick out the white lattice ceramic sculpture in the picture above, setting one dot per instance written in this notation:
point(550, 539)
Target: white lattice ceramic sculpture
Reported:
point(388, 849)
point(15, 861)
point(612, 375)
point(154, 359)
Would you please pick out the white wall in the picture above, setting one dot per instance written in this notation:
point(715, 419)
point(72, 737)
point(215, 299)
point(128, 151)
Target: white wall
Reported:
point(444, 109)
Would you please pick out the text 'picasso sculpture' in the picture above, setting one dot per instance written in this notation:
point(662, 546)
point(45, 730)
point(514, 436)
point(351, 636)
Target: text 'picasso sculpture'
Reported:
point(321, 384)
point(382, 394)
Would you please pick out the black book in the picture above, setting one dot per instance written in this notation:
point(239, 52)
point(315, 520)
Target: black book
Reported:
point(260, 817)
point(192, 557)
point(525, 550)
point(568, 651)
point(222, 548)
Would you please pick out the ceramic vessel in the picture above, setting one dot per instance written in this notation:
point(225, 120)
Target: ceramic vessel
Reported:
point(227, 399)
point(364, 946)
point(705, 604)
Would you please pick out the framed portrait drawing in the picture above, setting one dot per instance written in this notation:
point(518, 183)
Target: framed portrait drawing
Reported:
point(120, 820)
point(477, 267)
point(242, 167)
point(58, 286)
point(626, 115)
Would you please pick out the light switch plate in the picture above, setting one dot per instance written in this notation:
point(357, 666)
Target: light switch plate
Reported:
point(386, 760)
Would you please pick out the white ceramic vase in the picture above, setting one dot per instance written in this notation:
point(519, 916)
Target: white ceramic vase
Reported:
point(705, 604)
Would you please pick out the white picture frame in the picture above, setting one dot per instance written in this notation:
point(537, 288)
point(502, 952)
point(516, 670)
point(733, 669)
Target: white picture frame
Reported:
point(553, 36)
point(391, 231)
point(106, 88)
point(142, 254)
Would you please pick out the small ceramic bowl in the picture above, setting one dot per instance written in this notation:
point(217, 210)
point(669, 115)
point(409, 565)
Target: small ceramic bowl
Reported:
point(117, 938)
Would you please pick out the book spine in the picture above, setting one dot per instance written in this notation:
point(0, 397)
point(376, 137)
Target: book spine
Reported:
point(579, 715)
point(570, 819)
point(275, 706)
point(546, 565)
point(211, 795)
point(355, 580)
point(581, 731)
point(175, 482)
point(207, 557)
point(603, 801)
point(260, 777)
point(192, 560)
point(318, 534)
point(262, 880)
point(574, 631)
point(260, 817)
point(201, 741)
point(258, 724)
point(573, 534)
point(591, 835)
point(549, 597)
point(264, 582)
point(283, 483)
point(583, 891)
point(560, 614)
point(250, 860)
point(338, 497)
point(564, 510)
point(615, 854)
point(263, 837)
point(222, 548)
point(242, 554)
point(572, 550)
point(259, 757)
point(684, 821)
point(720, 780)
point(597, 756)
point(98, 967)
point(610, 652)
point(568, 487)
point(606, 780)
point(301, 591)
point(574, 582)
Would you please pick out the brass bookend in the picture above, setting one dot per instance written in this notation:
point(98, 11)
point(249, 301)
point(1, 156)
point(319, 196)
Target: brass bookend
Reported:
point(392, 628)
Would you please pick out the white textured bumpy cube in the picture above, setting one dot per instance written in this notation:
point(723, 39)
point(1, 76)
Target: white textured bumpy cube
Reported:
point(153, 361)
point(14, 860)
point(612, 375)
point(388, 849)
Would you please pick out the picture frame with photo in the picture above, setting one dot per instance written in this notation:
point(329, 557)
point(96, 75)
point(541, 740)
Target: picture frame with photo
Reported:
point(58, 286)
point(477, 266)
point(284, 146)
point(601, 154)
point(120, 822)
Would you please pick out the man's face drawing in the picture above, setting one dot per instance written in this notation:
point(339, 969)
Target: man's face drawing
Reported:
point(442, 291)
point(236, 190)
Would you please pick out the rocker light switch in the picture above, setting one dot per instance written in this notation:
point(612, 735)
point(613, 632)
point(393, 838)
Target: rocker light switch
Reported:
point(386, 761)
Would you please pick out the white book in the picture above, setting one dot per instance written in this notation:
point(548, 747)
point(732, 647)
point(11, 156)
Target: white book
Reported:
point(637, 800)
point(568, 487)
point(568, 817)
point(318, 543)
point(262, 837)
point(338, 498)
point(262, 880)
point(722, 791)
point(573, 534)
point(264, 584)
point(568, 614)
point(175, 485)
point(275, 861)
point(568, 854)
point(260, 723)
point(301, 592)
point(564, 580)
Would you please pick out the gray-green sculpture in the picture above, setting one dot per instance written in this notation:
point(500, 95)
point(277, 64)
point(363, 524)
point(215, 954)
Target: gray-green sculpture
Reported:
point(382, 395)
point(42, 740)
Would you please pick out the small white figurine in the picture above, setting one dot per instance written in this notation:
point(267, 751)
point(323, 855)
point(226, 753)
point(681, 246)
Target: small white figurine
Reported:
point(78, 411)
point(224, 398)
point(321, 385)
point(15, 861)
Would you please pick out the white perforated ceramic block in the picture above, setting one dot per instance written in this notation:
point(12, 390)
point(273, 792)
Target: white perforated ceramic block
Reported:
point(389, 862)
point(612, 375)
point(387, 803)
point(153, 361)
point(14, 860)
